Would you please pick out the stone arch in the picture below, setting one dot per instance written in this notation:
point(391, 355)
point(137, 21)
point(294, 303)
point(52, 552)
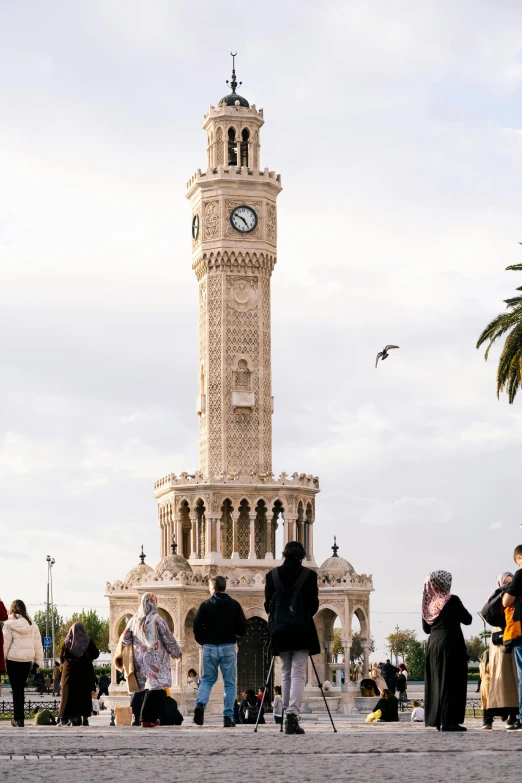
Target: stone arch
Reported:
point(261, 527)
point(200, 536)
point(324, 622)
point(185, 545)
point(165, 613)
point(361, 613)
point(191, 656)
point(226, 528)
point(118, 627)
point(277, 519)
point(256, 611)
point(243, 529)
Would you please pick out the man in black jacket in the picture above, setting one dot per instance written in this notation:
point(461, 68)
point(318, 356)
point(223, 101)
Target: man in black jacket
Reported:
point(217, 624)
point(293, 645)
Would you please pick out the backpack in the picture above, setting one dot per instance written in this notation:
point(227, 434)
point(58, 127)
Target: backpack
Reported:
point(493, 611)
point(171, 716)
point(288, 616)
point(252, 711)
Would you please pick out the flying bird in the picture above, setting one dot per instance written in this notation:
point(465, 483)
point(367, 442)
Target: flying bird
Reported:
point(384, 354)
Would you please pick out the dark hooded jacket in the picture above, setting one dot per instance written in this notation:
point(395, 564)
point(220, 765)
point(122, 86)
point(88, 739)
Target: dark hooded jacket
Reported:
point(219, 620)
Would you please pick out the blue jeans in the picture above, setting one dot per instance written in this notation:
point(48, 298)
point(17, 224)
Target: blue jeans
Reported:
point(215, 657)
point(517, 652)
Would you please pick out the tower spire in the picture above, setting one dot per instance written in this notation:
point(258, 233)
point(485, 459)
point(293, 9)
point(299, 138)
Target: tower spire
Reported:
point(233, 83)
point(335, 547)
point(142, 556)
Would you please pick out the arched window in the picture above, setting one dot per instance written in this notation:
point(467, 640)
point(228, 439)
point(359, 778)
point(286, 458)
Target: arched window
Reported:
point(232, 147)
point(245, 136)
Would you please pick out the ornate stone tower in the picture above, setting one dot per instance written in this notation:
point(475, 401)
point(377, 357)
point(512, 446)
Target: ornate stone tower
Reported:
point(223, 517)
point(234, 253)
point(231, 507)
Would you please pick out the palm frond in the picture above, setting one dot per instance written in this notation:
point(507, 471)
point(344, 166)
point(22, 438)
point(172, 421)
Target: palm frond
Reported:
point(515, 267)
point(498, 326)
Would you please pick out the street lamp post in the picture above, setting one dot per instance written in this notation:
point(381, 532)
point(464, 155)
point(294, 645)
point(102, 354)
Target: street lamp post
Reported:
point(50, 562)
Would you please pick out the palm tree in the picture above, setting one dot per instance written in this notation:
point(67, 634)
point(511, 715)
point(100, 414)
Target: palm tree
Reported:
point(509, 371)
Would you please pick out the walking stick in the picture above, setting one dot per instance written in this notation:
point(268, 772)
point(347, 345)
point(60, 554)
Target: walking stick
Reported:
point(324, 697)
point(264, 692)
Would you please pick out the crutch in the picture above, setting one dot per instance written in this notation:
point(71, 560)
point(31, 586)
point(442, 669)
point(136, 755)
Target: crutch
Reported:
point(264, 692)
point(324, 697)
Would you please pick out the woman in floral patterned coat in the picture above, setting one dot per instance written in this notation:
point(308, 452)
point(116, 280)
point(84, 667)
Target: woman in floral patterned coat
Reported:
point(153, 646)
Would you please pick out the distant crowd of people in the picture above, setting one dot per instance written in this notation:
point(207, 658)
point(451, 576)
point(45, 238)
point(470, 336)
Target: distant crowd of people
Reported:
point(291, 601)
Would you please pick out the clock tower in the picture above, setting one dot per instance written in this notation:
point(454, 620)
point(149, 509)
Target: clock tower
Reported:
point(230, 508)
point(234, 236)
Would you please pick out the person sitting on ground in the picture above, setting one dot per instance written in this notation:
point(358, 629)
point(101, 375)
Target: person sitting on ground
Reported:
point(389, 707)
point(237, 713)
point(417, 713)
point(250, 708)
point(39, 681)
point(277, 706)
point(43, 717)
point(369, 688)
point(193, 678)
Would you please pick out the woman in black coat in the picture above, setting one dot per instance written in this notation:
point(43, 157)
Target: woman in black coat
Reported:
point(76, 657)
point(446, 668)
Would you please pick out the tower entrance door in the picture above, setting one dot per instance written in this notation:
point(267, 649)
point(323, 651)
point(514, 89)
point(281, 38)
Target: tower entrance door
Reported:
point(253, 658)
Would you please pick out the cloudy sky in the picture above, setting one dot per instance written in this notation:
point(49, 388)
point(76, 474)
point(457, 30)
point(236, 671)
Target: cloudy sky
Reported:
point(397, 129)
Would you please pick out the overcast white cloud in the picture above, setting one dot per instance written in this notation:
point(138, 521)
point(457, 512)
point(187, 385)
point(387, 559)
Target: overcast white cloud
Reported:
point(397, 128)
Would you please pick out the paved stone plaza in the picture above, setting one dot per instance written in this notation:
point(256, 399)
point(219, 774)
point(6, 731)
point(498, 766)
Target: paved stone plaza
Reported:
point(188, 753)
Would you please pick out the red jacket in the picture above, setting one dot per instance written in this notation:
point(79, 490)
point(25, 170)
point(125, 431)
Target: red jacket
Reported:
point(3, 618)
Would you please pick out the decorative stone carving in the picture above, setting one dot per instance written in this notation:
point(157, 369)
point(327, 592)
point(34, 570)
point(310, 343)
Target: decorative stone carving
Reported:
point(242, 293)
point(211, 223)
point(271, 226)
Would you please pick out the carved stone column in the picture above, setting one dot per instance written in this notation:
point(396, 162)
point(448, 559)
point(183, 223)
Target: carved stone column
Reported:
point(269, 554)
point(347, 645)
point(366, 662)
point(194, 554)
point(235, 547)
point(310, 540)
point(179, 535)
point(252, 553)
point(213, 533)
point(290, 528)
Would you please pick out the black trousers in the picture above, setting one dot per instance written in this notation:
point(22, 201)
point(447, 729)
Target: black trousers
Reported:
point(153, 706)
point(18, 673)
point(104, 691)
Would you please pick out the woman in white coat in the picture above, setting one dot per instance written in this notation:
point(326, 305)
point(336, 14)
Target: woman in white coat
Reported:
point(22, 646)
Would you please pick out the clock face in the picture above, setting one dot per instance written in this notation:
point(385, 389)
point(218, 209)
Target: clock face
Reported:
point(195, 227)
point(244, 219)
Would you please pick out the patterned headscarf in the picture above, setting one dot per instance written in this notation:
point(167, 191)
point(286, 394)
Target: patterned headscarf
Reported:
point(143, 625)
point(435, 595)
point(77, 640)
point(501, 578)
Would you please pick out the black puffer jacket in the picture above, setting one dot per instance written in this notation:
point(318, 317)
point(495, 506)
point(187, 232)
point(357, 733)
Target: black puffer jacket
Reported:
point(289, 573)
point(220, 620)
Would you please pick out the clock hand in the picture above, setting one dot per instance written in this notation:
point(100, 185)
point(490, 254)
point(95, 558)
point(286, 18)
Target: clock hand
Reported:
point(243, 219)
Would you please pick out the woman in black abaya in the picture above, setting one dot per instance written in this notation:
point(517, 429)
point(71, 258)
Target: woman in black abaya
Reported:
point(446, 672)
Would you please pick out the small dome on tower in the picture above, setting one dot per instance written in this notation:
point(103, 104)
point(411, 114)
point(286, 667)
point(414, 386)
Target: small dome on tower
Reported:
point(175, 564)
point(335, 567)
point(233, 99)
point(138, 573)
